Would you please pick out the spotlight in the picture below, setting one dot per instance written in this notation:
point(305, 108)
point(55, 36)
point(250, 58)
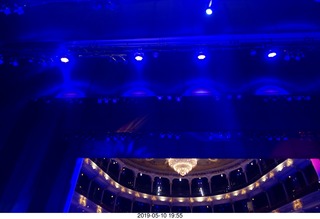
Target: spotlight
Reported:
point(201, 56)
point(1, 60)
point(138, 57)
point(272, 54)
point(209, 11)
point(64, 60)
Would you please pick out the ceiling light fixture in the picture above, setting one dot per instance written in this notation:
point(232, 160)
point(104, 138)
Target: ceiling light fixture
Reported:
point(182, 166)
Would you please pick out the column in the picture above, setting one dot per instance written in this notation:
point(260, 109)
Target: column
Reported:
point(115, 201)
point(120, 171)
point(260, 170)
point(108, 165)
point(268, 198)
point(190, 190)
point(209, 182)
point(102, 194)
point(132, 201)
point(152, 180)
point(227, 177)
point(135, 179)
point(232, 206)
point(170, 187)
point(304, 177)
point(285, 191)
point(89, 188)
point(245, 173)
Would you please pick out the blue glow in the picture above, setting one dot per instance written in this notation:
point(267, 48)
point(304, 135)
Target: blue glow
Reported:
point(272, 54)
point(138, 91)
point(200, 92)
point(138, 58)
point(209, 11)
point(64, 60)
point(70, 94)
point(271, 90)
point(201, 56)
point(73, 184)
point(15, 63)
point(7, 11)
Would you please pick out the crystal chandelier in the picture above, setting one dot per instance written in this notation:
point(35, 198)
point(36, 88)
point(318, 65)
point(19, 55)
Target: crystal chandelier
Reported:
point(182, 166)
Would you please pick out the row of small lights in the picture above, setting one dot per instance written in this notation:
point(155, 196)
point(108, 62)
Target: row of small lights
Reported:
point(83, 202)
point(243, 191)
point(139, 56)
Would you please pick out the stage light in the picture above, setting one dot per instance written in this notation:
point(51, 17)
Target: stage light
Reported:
point(64, 60)
point(201, 56)
point(209, 11)
point(138, 57)
point(1, 60)
point(272, 54)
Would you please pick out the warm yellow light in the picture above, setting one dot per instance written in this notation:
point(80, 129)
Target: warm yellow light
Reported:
point(227, 195)
point(93, 165)
point(297, 204)
point(82, 200)
point(106, 176)
point(251, 187)
point(236, 193)
point(180, 200)
point(101, 172)
point(162, 198)
point(86, 160)
point(289, 162)
point(219, 197)
point(271, 174)
point(99, 209)
point(279, 167)
point(153, 198)
point(243, 191)
point(137, 194)
point(209, 199)
point(264, 178)
point(199, 199)
point(182, 166)
point(123, 189)
point(257, 184)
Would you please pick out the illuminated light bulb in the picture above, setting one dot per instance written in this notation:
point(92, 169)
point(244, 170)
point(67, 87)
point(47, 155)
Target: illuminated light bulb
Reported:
point(64, 60)
point(209, 11)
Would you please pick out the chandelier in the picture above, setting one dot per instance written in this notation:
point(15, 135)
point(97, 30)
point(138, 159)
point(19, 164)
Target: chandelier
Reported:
point(182, 166)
